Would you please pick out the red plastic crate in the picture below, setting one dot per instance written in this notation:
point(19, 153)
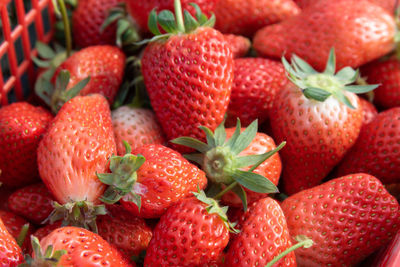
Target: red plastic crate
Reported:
point(22, 24)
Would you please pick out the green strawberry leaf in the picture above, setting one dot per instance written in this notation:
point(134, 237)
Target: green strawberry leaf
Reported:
point(347, 75)
point(253, 181)
point(192, 143)
point(239, 191)
point(331, 64)
point(232, 141)
point(45, 51)
point(166, 20)
point(196, 157)
point(153, 24)
point(316, 94)
point(256, 160)
point(245, 138)
point(361, 89)
point(190, 22)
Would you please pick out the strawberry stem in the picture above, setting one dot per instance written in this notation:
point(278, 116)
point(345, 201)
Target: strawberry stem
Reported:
point(304, 243)
point(67, 28)
point(226, 189)
point(22, 235)
point(179, 16)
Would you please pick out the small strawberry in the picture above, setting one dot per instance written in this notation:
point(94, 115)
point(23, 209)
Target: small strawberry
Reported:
point(136, 126)
point(255, 84)
point(193, 232)
point(15, 225)
point(10, 253)
point(76, 146)
point(240, 45)
point(377, 150)
point(191, 66)
point(358, 30)
point(347, 218)
point(369, 111)
point(319, 116)
point(246, 17)
point(21, 128)
point(33, 202)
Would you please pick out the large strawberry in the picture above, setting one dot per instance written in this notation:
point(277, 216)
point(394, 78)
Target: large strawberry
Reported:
point(320, 117)
point(136, 126)
point(377, 150)
point(255, 84)
point(10, 252)
point(192, 68)
point(246, 17)
point(77, 145)
point(21, 128)
point(358, 30)
point(193, 232)
point(347, 218)
point(18, 227)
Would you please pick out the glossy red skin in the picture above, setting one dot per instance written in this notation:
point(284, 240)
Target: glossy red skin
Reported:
point(163, 179)
point(263, 236)
point(10, 253)
point(187, 235)
point(369, 111)
point(377, 150)
point(390, 255)
point(33, 202)
point(14, 224)
point(137, 126)
point(271, 168)
point(239, 45)
point(21, 128)
point(255, 84)
point(87, 19)
point(195, 73)
point(358, 30)
point(77, 145)
point(386, 4)
point(318, 134)
point(347, 218)
point(246, 17)
point(140, 10)
point(387, 74)
point(104, 64)
point(84, 248)
point(129, 234)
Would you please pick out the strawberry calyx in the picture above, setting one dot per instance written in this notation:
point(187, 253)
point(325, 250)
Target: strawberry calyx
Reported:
point(50, 258)
point(123, 177)
point(80, 214)
point(319, 86)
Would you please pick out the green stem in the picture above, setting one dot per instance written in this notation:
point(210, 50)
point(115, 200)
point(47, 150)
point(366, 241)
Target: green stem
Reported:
point(304, 243)
point(227, 189)
point(22, 235)
point(67, 28)
point(179, 16)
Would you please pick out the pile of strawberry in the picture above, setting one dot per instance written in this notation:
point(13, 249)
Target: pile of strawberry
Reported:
point(163, 141)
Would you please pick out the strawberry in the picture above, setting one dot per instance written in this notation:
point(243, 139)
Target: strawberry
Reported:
point(347, 218)
point(129, 234)
point(140, 10)
point(152, 181)
point(320, 117)
point(193, 232)
point(389, 256)
point(386, 4)
point(240, 45)
point(87, 20)
point(246, 17)
point(15, 225)
point(263, 236)
point(192, 68)
point(136, 126)
point(75, 247)
point(33, 202)
point(77, 145)
point(21, 128)
point(255, 84)
point(377, 150)
point(369, 111)
point(343, 24)
point(46, 230)
point(387, 74)
point(10, 252)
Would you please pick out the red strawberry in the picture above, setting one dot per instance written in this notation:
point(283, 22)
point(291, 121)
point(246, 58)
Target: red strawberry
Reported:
point(263, 236)
point(358, 30)
point(129, 234)
point(152, 181)
point(194, 71)
point(87, 19)
point(77, 145)
point(10, 252)
point(33, 202)
point(14, 225)
point(21, 128)
point(239, 45)
point(81, 248)
point(389, 256)
point(140, 10)
point(387, 74)
point(377, 150)
point(386, 4)
point(193, 232)
point(255, 84)
point(46, 230)
point(320, 117)
point(246, 17)
point(369, 111)
point(347, 218)
point(136, 126)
